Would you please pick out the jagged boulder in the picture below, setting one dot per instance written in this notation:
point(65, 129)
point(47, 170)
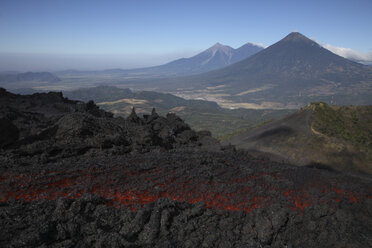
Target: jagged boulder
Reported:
point(133, 117)
point(93, 109)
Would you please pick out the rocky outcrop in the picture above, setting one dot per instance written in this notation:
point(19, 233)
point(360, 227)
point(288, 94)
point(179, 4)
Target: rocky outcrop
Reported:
point(47, 126)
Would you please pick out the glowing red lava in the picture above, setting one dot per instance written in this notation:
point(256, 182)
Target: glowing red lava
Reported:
point(137, 188)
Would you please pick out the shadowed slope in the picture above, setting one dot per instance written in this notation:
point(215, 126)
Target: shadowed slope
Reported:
point(339, 137)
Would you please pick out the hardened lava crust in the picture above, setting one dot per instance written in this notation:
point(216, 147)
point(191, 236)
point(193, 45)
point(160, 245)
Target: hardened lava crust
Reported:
point(72, 175)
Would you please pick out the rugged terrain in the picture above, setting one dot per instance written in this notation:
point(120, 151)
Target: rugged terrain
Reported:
point(319, 135)
point(71, 175)
point(49, 125)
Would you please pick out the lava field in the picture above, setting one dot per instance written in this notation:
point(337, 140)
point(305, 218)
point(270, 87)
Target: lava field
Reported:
point(183, 198)
point(154, 182)
point(241, 185)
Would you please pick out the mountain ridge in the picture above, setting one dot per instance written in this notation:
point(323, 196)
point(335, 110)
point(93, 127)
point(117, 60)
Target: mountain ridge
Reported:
point(215, 57)
point(15, 77)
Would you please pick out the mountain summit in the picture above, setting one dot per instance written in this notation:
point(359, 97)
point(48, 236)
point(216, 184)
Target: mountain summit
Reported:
point(219, 46)
point(296, 36)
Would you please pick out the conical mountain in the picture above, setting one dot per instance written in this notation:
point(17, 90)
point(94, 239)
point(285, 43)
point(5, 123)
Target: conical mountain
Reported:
point(295, 69)
point(297, 57)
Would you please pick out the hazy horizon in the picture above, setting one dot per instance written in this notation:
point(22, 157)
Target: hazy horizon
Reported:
point(60, 62)
point(22, 62)
point(94, 35)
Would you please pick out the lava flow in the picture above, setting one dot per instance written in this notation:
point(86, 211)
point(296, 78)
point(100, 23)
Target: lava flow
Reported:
point(135, 188)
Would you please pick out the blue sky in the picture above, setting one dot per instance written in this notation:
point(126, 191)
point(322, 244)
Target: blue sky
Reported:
point(154, 31)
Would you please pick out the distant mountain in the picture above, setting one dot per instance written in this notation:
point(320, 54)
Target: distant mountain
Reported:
point(215, 57)
point(28, 76)
point(25, 91)
point(318, 135)
point(13, 77)
point(294, 70)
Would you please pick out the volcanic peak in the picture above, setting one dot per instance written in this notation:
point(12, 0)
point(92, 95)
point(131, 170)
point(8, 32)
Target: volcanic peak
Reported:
point(219, 47)
point(297, 37)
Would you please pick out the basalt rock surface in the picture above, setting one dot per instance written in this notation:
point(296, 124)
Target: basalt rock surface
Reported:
point(46, 126)
point(74, 176)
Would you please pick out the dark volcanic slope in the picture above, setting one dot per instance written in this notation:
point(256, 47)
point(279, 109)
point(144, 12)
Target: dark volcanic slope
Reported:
point(338, 137)
point(161, 190)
